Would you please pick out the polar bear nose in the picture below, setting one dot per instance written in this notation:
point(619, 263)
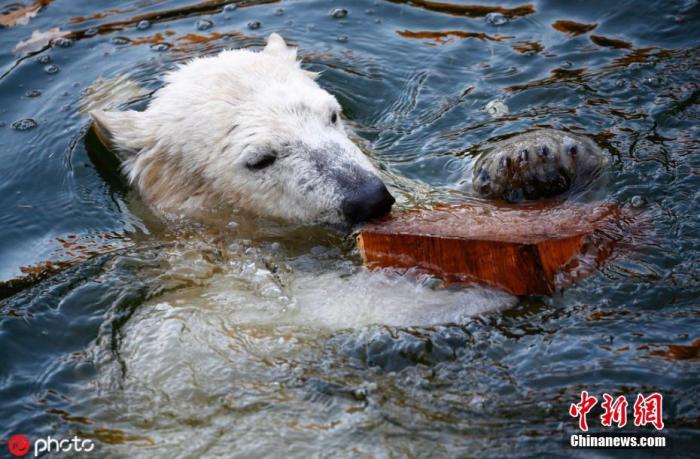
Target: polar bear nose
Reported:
point(371, 200)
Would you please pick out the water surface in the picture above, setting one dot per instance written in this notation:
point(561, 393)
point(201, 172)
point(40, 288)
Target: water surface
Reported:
point(243, 337)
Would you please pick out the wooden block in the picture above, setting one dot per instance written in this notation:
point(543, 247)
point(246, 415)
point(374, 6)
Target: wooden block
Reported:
point(520, 249)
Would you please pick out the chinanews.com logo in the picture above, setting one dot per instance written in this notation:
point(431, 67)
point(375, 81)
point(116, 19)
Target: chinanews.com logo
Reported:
point(647, 411)
point(19, 445)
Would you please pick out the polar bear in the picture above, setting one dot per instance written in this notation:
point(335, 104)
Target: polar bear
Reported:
point(250, 130)
point(253, 130)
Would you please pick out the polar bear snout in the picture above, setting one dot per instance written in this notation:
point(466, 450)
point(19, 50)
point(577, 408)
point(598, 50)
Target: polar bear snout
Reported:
point(368, 201)
point(266, 139)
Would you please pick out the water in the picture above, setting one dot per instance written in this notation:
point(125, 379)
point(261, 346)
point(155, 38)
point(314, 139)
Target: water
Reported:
point(242, 337)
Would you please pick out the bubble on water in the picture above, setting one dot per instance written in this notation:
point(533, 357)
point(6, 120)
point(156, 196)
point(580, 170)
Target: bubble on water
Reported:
point(620, 83)
point(91, 32)
point(369, 11)
point(654, 81)
point(230, 7)
point(62, 42)
point(566, 64)
point(45, 59)
point(120, 41)
point(143, 25)
point(496, 108)
point(637, 201)
point(339, 13)
point(279, 11)
point(342, 38)
point(496, 19)
point(33, 93)
point(360, 394)
point(204, 24)
point(253, 25)
point(24, 125)
point(51, 69)
point(160, 47)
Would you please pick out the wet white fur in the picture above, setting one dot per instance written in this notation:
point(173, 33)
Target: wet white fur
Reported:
point(189, 149)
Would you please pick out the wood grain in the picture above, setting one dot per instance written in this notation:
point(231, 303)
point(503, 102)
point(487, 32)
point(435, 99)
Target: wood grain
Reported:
point(519, 249)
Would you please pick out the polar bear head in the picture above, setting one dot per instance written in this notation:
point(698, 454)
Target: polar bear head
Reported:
point(251, 130)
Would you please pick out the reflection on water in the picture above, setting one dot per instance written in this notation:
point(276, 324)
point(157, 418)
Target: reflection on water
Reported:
point(242, 337)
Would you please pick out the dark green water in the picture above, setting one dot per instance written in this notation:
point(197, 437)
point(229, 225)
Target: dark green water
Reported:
point(248, 338)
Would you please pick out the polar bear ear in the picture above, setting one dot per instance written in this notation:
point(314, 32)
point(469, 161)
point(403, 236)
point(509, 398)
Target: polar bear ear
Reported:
point(276, 46)
point(118, 131)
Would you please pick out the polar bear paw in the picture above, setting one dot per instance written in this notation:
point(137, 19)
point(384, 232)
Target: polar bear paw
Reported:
point(537, 164)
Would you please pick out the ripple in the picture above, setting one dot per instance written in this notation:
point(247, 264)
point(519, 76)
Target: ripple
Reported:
point(573, 28)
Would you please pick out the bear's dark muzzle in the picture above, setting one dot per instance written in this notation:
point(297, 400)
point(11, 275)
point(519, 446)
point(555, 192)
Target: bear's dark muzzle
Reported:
point(369, 201)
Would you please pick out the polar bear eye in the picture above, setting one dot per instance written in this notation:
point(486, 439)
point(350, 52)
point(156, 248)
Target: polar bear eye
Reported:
point(262, 161)
point(334, 118)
